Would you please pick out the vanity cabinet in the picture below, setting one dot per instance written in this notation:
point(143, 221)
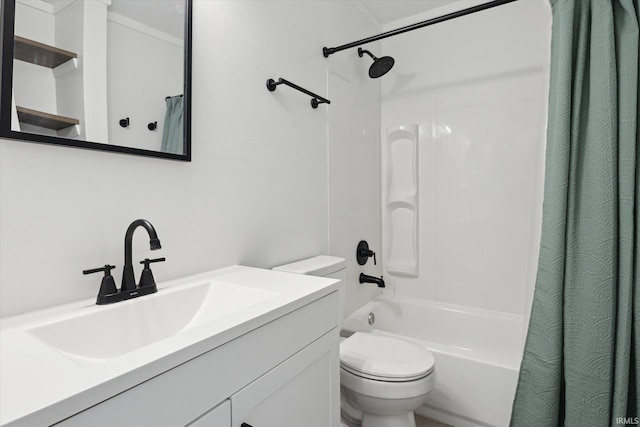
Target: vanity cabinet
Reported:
point(218, 416)
point(283, 373)
point(292, 394)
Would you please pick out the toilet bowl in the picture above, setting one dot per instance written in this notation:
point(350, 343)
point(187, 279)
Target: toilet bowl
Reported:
point(385, 378)
point(382, 379)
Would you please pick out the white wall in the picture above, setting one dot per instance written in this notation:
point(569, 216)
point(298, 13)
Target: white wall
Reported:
point(354, 155)
point(257, 191)
point(140, 95)
point(476, 86)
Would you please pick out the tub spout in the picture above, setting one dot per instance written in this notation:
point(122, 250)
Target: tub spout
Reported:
point(370, 279)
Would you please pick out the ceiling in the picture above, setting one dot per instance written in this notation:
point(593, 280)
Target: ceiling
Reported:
point(165, 15)
point(168, 15)
point(385, 11)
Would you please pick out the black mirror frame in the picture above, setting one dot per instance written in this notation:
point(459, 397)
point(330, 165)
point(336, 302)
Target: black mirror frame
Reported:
point(7, 17)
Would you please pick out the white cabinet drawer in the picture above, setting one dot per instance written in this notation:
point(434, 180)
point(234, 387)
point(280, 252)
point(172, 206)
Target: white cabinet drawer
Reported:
point(220, 416)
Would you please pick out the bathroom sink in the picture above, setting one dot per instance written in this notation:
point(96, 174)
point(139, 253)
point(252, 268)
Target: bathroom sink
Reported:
point(99, 333)
point(58, 361)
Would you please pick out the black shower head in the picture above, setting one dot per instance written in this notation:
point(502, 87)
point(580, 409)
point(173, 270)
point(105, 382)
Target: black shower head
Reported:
point(380, 66)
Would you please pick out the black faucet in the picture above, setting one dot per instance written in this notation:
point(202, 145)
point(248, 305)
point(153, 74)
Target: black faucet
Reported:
point(108, 293)
point(370, 279)
point(128, 279)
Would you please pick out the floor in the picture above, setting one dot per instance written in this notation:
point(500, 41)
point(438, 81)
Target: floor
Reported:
point(426, 422)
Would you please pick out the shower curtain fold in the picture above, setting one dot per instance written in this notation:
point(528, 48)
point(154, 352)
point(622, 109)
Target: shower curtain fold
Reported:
point(582, 354)
point(172, 133)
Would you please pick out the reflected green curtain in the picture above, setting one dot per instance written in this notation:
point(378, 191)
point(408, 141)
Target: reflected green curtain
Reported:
point(173, 131)
point(581, 358)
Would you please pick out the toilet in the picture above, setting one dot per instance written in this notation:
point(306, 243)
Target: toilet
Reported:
point(382, 379)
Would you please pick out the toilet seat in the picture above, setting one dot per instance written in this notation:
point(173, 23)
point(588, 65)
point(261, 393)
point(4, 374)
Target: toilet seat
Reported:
point(383, 358)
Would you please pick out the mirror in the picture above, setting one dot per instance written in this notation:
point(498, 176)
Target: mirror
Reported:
point(111, 75)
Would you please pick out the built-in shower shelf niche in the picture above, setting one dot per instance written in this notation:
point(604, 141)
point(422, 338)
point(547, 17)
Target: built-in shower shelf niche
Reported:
point(400, 199)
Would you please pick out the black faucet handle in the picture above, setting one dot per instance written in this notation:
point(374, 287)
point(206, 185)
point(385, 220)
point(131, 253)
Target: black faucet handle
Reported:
point(148, 261)
point(108, 285)
point(107, 270)
point(363, 253)
point(146, 278)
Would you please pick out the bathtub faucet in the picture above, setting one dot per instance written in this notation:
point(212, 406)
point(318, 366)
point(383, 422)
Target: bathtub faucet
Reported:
point(370, 279)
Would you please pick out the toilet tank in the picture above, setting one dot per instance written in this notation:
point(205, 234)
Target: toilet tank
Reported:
point(321, 265)
point(324, 266)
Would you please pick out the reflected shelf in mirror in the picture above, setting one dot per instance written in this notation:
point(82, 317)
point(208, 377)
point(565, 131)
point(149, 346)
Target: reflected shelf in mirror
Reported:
point(39, 53)
point(45, 120)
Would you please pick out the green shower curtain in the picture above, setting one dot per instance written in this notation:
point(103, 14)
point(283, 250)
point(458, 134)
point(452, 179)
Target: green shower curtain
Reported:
point(172, 134)
point(581, 360)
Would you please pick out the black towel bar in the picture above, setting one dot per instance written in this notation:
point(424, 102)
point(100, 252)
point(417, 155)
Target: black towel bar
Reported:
point(315, 101)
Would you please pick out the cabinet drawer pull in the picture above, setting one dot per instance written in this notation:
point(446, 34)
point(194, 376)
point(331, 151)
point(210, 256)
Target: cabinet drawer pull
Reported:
point(245, 425)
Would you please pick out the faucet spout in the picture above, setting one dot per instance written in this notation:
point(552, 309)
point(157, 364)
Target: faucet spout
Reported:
point(128, 279)
point(370, 279)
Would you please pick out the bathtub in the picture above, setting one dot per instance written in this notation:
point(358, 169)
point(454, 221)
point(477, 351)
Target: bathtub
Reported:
point(477, 355)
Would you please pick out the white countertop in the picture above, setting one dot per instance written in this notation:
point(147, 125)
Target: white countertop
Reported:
point(41, 386)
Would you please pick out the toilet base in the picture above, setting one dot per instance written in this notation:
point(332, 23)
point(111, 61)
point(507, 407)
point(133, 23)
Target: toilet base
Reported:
point(349, 414)
point(375, 420)
point(384, 413)
point(350, 422)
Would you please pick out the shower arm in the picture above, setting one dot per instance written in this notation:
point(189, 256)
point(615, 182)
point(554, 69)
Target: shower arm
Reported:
point(326, 51)
point(317, 99)
point(363, 51)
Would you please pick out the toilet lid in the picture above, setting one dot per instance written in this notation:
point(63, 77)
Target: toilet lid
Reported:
point(385, 358)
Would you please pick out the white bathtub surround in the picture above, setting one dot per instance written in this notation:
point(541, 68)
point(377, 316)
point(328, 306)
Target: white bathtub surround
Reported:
point(477, 355)
point(476, 87)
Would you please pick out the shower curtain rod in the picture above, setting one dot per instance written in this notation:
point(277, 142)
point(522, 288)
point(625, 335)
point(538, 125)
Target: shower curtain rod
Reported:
point(326, 51)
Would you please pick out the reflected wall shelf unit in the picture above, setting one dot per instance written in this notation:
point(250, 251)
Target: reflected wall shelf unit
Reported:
point(40, 53)
point(60, 61)
point(45, 120)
